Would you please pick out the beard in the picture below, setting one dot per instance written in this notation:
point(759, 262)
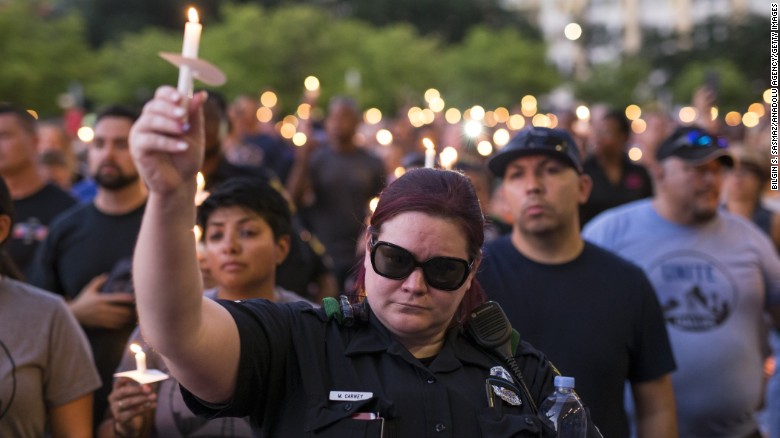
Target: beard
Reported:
point(114, 180)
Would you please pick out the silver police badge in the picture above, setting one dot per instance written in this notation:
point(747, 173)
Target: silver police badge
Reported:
point(505, 394)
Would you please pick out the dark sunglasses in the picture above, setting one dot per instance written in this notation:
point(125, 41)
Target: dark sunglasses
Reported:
point(392, 261)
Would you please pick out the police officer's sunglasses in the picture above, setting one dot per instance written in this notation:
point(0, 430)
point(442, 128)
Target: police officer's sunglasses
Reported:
point(392, 261)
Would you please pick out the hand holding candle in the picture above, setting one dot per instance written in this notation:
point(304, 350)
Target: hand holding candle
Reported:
point(190, 67)
point(140, 357)
point(141, 373)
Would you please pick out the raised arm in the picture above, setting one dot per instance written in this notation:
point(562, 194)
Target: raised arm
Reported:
point(197, 338)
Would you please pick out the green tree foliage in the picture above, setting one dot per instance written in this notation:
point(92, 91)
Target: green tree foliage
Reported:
point(131, 69)
point(39, 57)
point(396, 66)
point(497, 68)
point(449, 20)
point(259, 49)
point(733, 94)
point(617, 84)
point(278, 48)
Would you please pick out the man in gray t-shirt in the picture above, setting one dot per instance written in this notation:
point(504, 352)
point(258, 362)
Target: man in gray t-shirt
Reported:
point(714, 274)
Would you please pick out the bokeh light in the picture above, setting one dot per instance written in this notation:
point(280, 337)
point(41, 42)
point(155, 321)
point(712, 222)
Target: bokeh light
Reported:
point(733, 118)
point(635, 154)
point(501, 137)
point(477, 112)
point(572, 31)
point(269, 99)
point(516, 122)
point(638, 126)
point(311, 83)
point(633, 112)
point(750, 119)
point(583, 112)
point(473, 128)
point(86, 134)
point(687, 114)
point(372, 116)
point(299, 139)
point(432, 94)
point(264, 114)
point(484, 148)
point(757, 108)
point(384, 137)
point(452, 116)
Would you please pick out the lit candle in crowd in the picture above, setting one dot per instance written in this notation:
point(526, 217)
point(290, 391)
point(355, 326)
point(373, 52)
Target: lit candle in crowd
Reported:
point(448, 157)
point(430, 153)
point(189, 49)
point(201, 194)
point(140, 357)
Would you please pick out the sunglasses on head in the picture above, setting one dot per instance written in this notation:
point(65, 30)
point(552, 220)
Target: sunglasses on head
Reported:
point(697, 138)
point(392, 261)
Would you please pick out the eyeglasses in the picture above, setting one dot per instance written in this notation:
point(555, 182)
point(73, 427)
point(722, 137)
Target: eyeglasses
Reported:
point(392, 261)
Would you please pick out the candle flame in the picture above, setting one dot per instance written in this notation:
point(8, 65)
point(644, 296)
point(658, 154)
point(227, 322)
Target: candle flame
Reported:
point(372, 204)
point(198, 233)
point(135, 348)
point(448, 157)
point(427, 143)
point(201, 182)
point(192, 14)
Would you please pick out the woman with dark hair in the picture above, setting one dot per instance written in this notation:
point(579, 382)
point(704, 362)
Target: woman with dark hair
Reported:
point(246, 225)
point(412, 358)
point(47, 376)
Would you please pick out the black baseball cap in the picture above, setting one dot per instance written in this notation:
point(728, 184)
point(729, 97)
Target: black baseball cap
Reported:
point(695, 146)
point(556, 143)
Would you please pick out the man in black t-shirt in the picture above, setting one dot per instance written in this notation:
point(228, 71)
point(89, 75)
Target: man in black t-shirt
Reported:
point(86, 256)
point(592, 313)
point(35, 201)
point(616, 179)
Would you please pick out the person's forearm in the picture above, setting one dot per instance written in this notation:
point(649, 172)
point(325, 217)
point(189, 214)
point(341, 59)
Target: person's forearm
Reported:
point(655, 408)
point(166, 272)
point(662, 423)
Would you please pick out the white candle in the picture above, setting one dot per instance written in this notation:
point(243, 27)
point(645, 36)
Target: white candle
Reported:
point(140, 357)
point(430, 153)
point(189, 49)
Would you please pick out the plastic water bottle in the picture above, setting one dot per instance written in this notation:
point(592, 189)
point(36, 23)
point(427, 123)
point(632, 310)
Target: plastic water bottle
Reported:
point(565, 410)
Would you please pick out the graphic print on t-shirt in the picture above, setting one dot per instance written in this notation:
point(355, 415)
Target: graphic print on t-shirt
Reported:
point(695, 291)
point(7, 380)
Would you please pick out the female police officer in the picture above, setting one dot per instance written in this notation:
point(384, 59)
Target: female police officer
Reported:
point(401, 365)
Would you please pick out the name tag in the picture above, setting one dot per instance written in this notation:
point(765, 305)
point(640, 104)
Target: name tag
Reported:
point(348, 395)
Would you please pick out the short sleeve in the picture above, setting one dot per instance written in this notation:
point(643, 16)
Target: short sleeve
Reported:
point(266, 340)
point(652, 355)
point(70, 371)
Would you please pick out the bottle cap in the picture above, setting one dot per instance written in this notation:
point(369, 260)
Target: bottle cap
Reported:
point(563, 381)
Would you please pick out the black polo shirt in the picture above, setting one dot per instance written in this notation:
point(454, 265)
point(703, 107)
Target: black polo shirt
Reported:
point(301, 374)
point(635, 183)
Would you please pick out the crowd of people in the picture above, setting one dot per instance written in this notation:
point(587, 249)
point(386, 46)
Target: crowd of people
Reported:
point(297, 308)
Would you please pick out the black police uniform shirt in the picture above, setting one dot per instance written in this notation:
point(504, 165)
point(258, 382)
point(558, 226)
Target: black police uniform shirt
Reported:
point(304, 375)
